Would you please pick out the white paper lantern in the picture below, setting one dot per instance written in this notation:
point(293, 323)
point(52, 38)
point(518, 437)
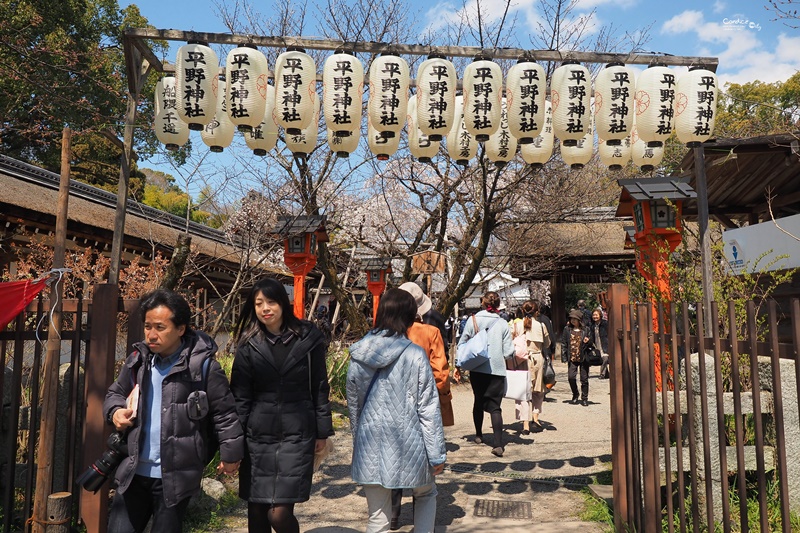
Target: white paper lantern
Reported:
point(246, 72)
point(655, 100)
point(263, 138)
point(696, 106)
point(388, 94)
point(436, 97)
point(218, 133)
point(570, 91)
point(483, 90)
point(420, 145)
point(646, 157)
point(614, 88)
point(158, 97)
point(526, 86)
point(343, 91)
point(196, 68)
point(579, 154)
point(295, 90)
point(540, 150)
point(303, 143)
point(501, 146)
point(615, 156)
point(170, 130)
point(380, 145)
point(461, 145)
point(343, 146)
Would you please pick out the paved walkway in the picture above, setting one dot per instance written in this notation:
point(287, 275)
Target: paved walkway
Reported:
point(545, 471)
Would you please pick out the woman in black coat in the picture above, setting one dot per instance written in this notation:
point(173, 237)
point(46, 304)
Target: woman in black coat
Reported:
point(598, 336)
point(280, 383)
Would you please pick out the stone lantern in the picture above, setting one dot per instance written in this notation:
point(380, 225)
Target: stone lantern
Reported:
point(300, 237)
point(377, 269)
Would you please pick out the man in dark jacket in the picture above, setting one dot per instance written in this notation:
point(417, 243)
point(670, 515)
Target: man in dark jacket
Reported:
point(162, 401)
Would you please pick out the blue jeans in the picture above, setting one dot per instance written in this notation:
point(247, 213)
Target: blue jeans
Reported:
point(131, 511)
point(379, 503)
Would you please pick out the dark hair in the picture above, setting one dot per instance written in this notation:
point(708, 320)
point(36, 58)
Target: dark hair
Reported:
point(181, 314)
point(531, 309)
point(248, 324)
point(396, 312)
point(491, 299)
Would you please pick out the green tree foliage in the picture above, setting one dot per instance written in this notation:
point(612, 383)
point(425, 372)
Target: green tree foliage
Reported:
point(173, 200)
point(62, 64)
point(757, 108)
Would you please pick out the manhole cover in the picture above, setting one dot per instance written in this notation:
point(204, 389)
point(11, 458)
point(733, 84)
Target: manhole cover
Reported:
point(503, 509)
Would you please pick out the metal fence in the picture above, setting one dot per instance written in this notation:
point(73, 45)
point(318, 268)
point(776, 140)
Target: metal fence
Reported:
point(705, 424)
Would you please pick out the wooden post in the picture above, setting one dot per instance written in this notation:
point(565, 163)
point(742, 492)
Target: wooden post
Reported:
point(618, 297)
point(59, 505)
point(99, 375)
point(138, 68)
point(47, 432)
point(705, 241)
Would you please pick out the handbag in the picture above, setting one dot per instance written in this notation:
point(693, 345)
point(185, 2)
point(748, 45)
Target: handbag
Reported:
point(518, 385)
point(321, 455)
point(549, 378)
point(475, 351)
point(592, 355)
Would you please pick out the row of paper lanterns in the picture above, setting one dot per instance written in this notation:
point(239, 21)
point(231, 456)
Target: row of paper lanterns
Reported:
point(631, 117)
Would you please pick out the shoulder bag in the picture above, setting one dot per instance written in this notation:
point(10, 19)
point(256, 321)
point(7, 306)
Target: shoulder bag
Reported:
point(518, 384)
point(475, 351)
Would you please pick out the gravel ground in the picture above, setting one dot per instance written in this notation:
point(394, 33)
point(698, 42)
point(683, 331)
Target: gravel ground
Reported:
point(548, 468)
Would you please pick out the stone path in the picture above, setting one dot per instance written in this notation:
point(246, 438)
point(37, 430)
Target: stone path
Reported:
point(546, 470)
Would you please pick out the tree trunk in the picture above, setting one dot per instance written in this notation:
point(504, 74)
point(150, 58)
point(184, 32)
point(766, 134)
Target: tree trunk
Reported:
point(355, 318)
point(178, 262)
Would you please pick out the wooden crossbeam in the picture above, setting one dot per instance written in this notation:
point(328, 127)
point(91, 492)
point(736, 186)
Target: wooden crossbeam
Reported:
point(236, 39)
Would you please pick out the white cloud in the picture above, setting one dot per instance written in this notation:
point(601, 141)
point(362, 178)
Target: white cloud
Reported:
point(688, 21)
point(617, 4)
point(719, 6)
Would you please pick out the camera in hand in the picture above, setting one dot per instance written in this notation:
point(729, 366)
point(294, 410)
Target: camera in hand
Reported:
point(99, 471)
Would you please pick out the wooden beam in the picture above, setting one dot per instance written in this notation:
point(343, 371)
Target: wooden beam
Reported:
point(417, 49)
point(725, 221)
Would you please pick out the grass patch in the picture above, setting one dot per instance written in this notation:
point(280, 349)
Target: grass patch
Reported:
point(596, 510)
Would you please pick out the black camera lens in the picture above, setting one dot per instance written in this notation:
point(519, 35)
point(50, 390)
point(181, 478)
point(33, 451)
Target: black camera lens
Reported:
point(99, 471)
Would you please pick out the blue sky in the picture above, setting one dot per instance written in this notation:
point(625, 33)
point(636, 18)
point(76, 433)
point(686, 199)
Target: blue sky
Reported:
point(750, 45)
point(741, 33)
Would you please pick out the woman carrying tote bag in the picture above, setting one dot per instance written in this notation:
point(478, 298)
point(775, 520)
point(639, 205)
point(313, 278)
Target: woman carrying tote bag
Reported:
point(536, 337)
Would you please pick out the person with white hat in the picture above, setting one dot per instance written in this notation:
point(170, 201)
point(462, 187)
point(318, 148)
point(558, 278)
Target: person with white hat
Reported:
point(425, 310)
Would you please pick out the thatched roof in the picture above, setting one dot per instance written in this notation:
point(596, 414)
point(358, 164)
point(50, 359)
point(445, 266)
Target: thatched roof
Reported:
point(29, 197)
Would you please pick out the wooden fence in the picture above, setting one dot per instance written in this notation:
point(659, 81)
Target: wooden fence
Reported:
point(714, 443)
point(88, 342)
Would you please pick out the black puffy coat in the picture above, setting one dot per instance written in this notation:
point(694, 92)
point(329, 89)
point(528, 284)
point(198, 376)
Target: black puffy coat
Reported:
point(283, 411)
point(183, 447)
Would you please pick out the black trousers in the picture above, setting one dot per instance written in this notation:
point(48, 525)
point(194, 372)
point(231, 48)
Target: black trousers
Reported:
point(572, 376)
point(131, 511)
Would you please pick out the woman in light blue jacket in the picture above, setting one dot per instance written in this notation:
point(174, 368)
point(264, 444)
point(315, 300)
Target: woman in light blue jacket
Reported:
point(489, 379)
point(398, 439)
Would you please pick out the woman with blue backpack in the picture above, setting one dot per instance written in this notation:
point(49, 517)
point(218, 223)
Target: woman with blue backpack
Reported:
point(489, 378)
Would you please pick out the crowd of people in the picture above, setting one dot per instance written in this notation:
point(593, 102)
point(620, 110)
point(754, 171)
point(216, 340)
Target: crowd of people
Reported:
point(172, 403)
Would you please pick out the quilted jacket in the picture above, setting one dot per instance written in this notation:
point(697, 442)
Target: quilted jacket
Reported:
point(397, 432)
point(501, 346)
point(182, 445)
point(283, 409)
